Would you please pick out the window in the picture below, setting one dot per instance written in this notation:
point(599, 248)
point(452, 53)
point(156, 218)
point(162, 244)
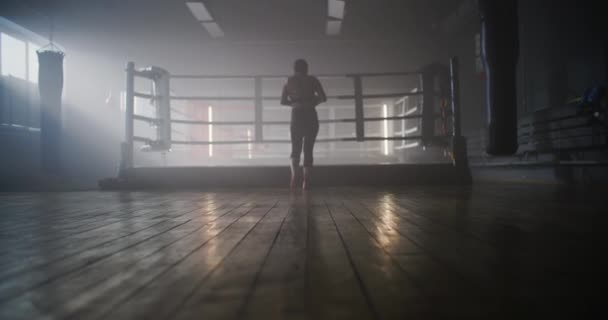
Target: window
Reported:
point(32, 57)
point(13, 56)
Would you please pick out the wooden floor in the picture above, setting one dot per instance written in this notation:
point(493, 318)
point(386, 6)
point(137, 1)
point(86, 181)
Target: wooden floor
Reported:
point(481, 252)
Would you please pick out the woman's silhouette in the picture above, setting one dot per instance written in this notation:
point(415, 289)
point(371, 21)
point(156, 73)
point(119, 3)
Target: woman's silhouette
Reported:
point(303, 93)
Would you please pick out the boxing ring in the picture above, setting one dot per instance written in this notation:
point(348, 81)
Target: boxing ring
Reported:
point(426, 117)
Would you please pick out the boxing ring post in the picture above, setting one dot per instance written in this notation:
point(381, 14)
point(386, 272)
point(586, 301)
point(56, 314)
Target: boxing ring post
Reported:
point(428, 106)
point(259, 110)
point(359, 112)
point(127, 145)
point(455, 88)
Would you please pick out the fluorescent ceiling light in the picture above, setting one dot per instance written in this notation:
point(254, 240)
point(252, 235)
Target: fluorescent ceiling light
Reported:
point(333, 27)
point(336, 9)
point(214, 29)
point(199, 11)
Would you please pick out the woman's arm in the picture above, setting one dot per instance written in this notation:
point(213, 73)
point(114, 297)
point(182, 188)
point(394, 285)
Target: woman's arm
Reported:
point(319, 92)
point(285, 101)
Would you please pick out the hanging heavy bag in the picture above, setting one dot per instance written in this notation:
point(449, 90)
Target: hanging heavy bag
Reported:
point(500, 52)
point(50, 83)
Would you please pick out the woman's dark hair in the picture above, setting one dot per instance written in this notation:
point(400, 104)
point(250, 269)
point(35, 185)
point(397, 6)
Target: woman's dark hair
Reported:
point(301, 66)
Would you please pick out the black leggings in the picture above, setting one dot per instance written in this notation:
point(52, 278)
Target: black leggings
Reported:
point(304, 130)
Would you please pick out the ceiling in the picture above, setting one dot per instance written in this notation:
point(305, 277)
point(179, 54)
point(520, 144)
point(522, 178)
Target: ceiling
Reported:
point(261, 36)
point(241, 20)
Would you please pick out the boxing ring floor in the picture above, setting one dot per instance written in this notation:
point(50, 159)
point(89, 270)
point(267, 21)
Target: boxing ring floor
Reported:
point(477, 252)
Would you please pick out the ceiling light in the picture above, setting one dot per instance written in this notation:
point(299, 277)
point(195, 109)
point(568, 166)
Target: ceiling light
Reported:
point(333, 27)
point(199, 11)
point(336, 9)
point(214, 29)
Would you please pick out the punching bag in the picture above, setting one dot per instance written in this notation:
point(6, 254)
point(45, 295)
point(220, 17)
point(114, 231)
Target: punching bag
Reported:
point(50, 83)
point(500, 52)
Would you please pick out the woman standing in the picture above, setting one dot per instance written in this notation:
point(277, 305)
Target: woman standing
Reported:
point(303, 93)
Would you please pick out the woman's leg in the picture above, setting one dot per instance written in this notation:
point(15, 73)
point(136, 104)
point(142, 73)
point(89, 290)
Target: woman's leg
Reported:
point(295, 169)
point(309, 144)
point(296, 151)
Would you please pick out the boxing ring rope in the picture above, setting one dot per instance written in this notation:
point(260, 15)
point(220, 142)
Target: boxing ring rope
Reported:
point(228, 98)
point(276, 123)
point(320, 76)
point(160, 78)
point(142, 139)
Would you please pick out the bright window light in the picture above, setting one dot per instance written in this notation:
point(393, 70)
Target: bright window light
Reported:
point(411, 130)
point(210, 119)
point(385, 128)
point(411, 145)
point(199, 11)
point(32, 57)
point(249, 145)
point(336, 9)
point(136, 106)
point(334, 27)
point(412, 110)
point(13, 56)
point(123, 101)
point(214, 29)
